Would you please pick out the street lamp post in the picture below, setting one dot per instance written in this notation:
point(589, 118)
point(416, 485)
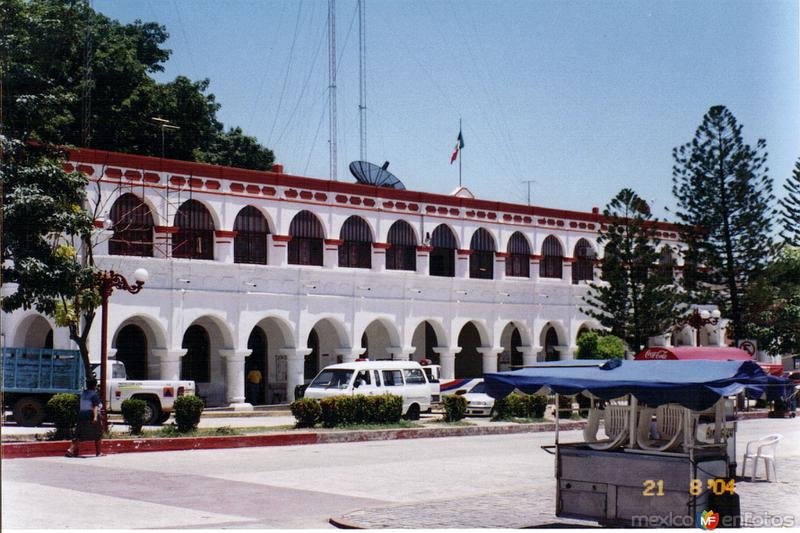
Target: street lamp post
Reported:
point(111, 280)
point(698, 319)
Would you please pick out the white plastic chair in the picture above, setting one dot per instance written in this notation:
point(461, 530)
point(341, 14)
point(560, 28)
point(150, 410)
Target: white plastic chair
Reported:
point(668, 425)
point(615, 422)
point(763, 448)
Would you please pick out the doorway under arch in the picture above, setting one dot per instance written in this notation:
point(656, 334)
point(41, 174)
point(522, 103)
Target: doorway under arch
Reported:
point(132, 350)
point(469, 362)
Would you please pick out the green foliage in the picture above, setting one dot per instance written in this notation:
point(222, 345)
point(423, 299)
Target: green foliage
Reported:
point(772, 304)
point(724, 198)
point(610, 347)
point(455, 407)
point(187, 412)
point(62, 410)
point(790, 208)
point(517, 405)
point(42, 52)
point(564, 406)
point(306, 411)
point(329, 414)
point(133, 412)
point(637, 298)
point(386, 408)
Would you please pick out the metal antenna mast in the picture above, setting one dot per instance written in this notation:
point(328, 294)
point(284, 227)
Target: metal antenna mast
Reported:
point(332, 85)
point(529, 188)
point(362, 73)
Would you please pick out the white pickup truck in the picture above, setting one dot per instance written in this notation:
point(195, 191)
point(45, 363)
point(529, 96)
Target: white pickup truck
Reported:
point(159, 395)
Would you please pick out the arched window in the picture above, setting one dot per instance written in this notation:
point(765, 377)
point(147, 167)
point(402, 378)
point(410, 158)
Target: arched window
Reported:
point(195, 365)
point(666, 263)
point(195, 236)
point(250, 243)
point(583, 267)
point(481, 262)
point(550, 345)
point(443, 255)
point(552, 262)
point(356, 248)
point(402, 254)
point(133, 227)
point(518, 262)
point(305, 248)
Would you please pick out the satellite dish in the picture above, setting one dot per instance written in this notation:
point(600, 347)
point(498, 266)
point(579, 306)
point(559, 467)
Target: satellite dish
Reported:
point(370, 174)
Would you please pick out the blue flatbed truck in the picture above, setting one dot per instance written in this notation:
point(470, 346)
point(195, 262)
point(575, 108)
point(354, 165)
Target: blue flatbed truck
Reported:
point(32, 376)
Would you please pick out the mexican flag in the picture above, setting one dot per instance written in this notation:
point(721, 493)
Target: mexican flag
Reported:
point(459, 146)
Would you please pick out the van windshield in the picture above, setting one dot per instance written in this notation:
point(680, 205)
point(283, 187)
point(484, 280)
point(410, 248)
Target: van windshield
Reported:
point(332, 379)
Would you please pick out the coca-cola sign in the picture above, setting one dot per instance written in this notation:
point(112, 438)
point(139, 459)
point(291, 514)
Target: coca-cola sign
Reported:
point(656, 353)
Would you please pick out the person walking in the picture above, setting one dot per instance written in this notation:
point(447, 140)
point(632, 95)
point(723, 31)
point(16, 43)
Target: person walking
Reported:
point(254, 379)
point(89, 427)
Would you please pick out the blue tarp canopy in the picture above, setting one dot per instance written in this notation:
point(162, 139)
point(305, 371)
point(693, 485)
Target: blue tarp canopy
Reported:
point(695, 384)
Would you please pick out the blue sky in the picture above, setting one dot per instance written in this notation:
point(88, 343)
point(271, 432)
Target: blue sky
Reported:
point(585, 97)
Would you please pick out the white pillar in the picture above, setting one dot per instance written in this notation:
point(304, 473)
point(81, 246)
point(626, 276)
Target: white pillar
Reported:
point(489, 354)
point(566, 352)
point(224, 246)
point(500, 259)
point(567, 270)
point(277, 250)
point(447, 360)
point(535, 260)
point(349, 355)
point(295, 367)
point(162, 241)
point(169, 363)
point(462, 263)
point(401, 353)
point(330, 253)
point(234, 378)
point(529, 354)
point(424, 260)
point(379, 256)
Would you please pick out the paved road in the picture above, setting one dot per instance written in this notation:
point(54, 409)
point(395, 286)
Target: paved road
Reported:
point(302, 486)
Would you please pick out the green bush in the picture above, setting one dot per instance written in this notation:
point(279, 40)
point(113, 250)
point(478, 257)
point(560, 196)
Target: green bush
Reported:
point(306, 411)
point(187, 412)
point(564, 406)
point(328, 412)
point(517, 405)
point(62, 409)
point(596, 345)
point(455, 407)
point(537, 403)
point(133, 414)
point(386, 408)
point(585, 403)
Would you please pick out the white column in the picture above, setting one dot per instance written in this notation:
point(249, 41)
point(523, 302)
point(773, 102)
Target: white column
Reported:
point(401, 353)
point(424, 260)
point(447, 360)
point(489, 354)
point(529, 354)
point(567, 270)
point(234, 378)
point(349, 355)
point(535, 259)
point(162, 241)
point(169, 363)
point(500, 259)
point(224, 246)
point(462, 263)
point(277, 250)
point(295, 366)
point(566, 352)
point(330, 253)
point(379, 256)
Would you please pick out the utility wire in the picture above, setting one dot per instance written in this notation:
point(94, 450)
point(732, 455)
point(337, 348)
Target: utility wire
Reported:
point(286, 74)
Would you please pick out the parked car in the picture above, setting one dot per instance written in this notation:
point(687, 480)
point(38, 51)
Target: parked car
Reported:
point(478, 402)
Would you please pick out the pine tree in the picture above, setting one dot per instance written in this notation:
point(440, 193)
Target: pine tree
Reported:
point(725, 202)
point(790, 208)
point(636, 298)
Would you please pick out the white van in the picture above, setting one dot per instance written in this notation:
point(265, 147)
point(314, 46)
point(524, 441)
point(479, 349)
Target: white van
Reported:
point(402, 378)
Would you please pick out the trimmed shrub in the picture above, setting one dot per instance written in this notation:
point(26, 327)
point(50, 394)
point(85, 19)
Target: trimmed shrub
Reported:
point(62, 409)
point(455, 407)
point(386, 408)
point(537, 403)
point(328, 411)
point(133, 414)
point(187, 412)
point(306, 411)
point(565, 403)
point(517, 405)
point(346, 410)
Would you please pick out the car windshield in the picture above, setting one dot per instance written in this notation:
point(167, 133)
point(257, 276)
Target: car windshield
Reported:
point(332, 379)
point(480, 388)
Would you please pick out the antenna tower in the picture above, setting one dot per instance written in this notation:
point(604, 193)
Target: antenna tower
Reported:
point(86, 89)
point(362, 75)
point(332, 85)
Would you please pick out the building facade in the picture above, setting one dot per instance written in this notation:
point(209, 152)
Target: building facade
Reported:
point(288, 274)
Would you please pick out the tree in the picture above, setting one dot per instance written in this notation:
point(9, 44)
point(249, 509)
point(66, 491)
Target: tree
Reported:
point(635, 299)
point(596, 345)
point(45, 226)
point(235, 149)
point(723, 190)
point(772, 304)
point(790, 208)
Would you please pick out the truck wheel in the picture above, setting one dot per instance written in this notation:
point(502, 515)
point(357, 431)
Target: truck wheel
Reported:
point(152, 413)
point(29, 411)
point(413, 412)
point(163, 418)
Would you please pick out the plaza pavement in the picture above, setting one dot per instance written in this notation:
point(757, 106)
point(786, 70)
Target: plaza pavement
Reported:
point(500, 481)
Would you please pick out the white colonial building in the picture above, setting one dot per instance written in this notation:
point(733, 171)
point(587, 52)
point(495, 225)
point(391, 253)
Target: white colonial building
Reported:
point(289, 274)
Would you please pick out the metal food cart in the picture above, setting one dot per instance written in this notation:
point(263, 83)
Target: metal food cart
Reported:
point(668, 451)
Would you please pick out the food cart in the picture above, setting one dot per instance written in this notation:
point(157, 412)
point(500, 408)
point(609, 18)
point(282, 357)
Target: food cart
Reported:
point(665, 457)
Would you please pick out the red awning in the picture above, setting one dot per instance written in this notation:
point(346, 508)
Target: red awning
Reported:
point(718, 353)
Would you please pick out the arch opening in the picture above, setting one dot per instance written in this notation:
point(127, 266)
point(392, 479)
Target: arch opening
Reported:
point(356, 248)
point(552, 264)
point(195, 236)
point(305, 247)
point(402, 251)
point(250, 243)
point(469, 362)
point(443, 255)
point(133, 227)
point(518, 262)
point(481, 261)
point(583, 267)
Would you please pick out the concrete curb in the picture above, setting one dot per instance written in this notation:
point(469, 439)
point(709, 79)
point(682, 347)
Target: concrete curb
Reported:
point(112, 446)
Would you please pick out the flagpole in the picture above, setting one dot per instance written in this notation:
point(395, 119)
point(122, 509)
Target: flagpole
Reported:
point(459, 152)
